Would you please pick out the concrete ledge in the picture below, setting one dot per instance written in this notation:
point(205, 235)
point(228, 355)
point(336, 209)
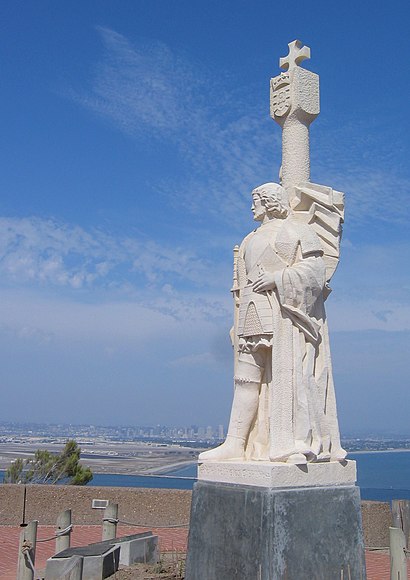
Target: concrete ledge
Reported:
point(68, 569)
point(279, 475)
point(136, 548)
point(99, 561)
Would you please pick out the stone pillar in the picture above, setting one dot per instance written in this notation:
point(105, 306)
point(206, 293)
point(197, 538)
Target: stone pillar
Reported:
point(63, 524)
point(294, 105)
point(110, 522)
point(27, 551)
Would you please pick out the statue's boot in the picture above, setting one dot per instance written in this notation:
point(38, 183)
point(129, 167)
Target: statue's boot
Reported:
point(300, 454)
point(245, 403)
point(337, 454)
point(324, 454)
point(297, 459)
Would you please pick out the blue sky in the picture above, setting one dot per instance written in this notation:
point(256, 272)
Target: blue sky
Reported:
point(132, 135)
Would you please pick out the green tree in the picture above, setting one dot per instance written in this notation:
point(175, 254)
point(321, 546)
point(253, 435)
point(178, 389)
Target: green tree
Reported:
point(14, 473)
point(47, 467)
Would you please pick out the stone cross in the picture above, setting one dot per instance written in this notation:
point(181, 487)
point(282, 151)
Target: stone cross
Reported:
point(297, 54)
point(294, 105)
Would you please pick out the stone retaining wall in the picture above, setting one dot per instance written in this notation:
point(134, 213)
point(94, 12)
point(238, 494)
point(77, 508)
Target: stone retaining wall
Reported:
point(137, 505)
point(151, 507)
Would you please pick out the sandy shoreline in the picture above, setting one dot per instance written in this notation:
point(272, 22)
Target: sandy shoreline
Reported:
point(131, 458)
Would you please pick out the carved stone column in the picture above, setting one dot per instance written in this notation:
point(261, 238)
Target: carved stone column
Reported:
point(294, 105)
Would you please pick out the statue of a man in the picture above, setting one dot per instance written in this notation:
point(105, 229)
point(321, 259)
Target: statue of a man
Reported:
point(284, 405)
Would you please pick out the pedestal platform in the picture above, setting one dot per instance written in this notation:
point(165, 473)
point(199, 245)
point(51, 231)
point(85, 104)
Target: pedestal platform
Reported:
point(249, 532)
point(270, 474)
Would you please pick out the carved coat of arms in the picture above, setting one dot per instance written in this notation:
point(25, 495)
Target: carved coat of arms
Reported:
point(280, 100)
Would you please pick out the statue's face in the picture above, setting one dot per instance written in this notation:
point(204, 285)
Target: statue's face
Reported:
point(258, 209)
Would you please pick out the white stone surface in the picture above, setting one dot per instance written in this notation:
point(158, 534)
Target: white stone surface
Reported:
point(268, 474)
point(284, 406)
point(294, 105)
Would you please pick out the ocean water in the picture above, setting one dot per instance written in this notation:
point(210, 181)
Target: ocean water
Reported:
point(382, 476)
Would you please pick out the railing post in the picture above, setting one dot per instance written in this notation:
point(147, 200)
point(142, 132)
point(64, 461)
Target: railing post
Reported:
point(110, 522)
point(63, 522)
point(27, 552)
point(401, 517)
point(398, 560)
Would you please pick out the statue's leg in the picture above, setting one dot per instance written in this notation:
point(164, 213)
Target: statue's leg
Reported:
point(244, 406)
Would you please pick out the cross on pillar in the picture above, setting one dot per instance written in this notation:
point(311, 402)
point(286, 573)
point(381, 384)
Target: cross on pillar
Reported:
point(297, 54)
point(294, 104)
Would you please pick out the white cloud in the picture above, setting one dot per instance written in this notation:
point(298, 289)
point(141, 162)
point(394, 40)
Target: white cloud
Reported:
point(371, 285)
point(226, 147)
point(131, 90)
point(45, 252)
point(371, 289)
point(150, 92)
point(32, 317)
point(359, 156)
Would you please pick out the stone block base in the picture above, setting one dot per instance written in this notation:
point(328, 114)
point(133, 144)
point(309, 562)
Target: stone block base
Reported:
point(270, 474)
point(240, 532)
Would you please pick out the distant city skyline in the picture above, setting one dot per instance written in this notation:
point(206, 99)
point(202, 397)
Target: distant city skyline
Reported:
point(62, 430)
point(132, 136)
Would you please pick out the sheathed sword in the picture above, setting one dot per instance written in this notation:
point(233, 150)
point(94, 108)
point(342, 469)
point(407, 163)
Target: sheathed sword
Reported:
point(235, 294)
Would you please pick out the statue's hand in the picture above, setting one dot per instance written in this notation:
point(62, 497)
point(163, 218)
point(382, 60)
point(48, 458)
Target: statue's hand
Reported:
point(266, 281)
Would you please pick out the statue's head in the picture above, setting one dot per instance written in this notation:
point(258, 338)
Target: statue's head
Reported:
point(271, 199)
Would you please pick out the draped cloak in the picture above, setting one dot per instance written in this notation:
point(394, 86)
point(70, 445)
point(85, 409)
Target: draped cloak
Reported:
point(297, 408)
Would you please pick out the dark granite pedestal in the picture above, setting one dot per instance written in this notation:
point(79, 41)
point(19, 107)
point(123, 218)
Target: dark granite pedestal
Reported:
point(241, 532)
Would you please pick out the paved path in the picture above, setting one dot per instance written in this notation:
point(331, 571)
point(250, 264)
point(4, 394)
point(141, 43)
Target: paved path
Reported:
point(378, 565)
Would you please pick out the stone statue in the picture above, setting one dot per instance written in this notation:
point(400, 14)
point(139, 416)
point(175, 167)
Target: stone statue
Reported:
point(284, 407)
point(289, 507)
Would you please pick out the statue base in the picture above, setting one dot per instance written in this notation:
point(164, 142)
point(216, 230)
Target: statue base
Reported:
point(270, 474)
point(243, 532)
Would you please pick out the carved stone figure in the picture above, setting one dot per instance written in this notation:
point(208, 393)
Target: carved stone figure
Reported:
point(284, 405)
point(287, 478)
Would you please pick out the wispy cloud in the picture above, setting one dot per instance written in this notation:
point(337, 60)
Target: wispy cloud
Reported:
point(48, 252)
point(227, 147)
point(361, 157)
point(139, 88)
point(371, 289)
point(150, 92)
